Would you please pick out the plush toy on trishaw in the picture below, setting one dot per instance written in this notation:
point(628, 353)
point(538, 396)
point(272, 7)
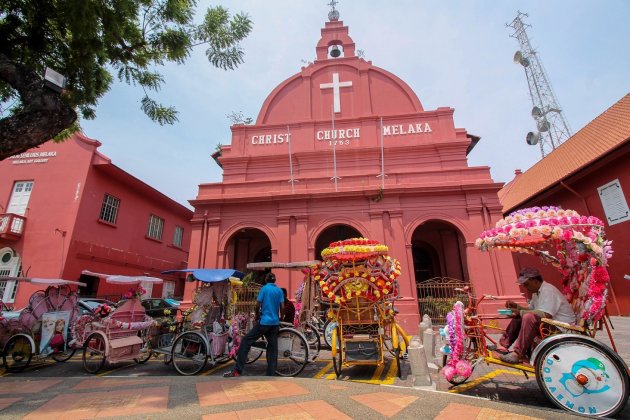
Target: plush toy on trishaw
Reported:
point(358, 279)
point(42, 328)
point(575, 371)
point(121, 334)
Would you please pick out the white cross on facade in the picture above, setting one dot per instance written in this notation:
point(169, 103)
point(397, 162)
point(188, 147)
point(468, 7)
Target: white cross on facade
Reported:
point(335, 85)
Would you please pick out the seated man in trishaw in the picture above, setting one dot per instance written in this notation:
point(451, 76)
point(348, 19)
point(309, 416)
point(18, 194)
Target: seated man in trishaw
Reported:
point(545, 301)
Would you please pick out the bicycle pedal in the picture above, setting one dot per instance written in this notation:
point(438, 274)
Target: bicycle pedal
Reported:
point(405, 356)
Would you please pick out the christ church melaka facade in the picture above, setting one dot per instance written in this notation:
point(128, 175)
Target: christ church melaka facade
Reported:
point(345, 149)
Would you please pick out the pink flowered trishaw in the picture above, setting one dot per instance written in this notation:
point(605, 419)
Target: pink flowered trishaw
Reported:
point(575, 371)
point(42, 328)
point(119, 335)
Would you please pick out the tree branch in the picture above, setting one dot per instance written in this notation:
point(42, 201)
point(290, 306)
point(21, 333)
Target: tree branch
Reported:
point(43, 116)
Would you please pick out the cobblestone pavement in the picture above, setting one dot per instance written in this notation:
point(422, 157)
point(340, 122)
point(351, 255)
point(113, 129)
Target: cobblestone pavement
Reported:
point(154, 390)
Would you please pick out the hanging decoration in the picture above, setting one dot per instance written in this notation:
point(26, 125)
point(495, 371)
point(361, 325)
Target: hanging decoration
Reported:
point(576, 245)
point(454, 332)
point(358, 267)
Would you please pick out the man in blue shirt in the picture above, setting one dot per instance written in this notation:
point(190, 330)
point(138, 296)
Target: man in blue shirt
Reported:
point(269, 311)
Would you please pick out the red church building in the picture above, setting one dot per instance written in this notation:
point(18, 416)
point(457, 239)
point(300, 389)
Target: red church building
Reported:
point(345, 149)
point(65, 207)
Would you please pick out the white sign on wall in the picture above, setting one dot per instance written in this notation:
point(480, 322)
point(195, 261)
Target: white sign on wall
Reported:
point(614, 203)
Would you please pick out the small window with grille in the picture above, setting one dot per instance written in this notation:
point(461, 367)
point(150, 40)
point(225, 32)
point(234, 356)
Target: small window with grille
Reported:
point(178, 236)
point(109, 209)
point(156, 225)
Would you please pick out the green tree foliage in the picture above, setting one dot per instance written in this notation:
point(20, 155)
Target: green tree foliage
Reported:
point(90, 42)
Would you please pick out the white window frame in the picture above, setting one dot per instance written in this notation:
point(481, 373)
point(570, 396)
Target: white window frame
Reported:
point(178, 236)
point(20, 196)
point(156, 227)
point(109, 209)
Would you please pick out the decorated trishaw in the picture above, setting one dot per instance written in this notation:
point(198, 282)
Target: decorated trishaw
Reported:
point(117, 334)
point(307, 300)
point(358, 279)
point(222, 312)
point(575, 371)
point(42, 328)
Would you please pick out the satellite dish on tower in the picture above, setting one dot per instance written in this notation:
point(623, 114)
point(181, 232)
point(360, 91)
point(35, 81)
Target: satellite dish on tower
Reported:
point(532, 138)
point(520, 59)
point(536, 112)
point(543, 125)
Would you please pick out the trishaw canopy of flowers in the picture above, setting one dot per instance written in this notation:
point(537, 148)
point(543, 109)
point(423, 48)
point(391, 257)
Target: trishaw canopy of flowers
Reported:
point(574, 244)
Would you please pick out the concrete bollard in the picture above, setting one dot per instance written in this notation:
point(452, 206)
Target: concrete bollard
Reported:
point(418, 363)
point(427, 320)
point(428, 342)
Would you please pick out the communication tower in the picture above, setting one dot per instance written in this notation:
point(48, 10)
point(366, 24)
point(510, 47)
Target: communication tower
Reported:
point(552, 127)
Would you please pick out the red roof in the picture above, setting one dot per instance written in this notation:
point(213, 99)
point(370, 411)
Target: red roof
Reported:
point(598, 138)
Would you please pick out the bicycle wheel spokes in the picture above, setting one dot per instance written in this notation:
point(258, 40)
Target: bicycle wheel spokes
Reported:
point(94, 353)
point(189, 354)
point(292, 353)
point(17, 354)
point(65, 355)
point(313, 339)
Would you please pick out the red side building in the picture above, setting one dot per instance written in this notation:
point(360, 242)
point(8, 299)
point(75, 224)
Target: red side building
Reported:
point(345, 149)
point(65, 207)
point(588, 173)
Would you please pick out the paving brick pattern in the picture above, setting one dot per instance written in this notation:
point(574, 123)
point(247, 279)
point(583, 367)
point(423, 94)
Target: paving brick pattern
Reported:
point(238, 398)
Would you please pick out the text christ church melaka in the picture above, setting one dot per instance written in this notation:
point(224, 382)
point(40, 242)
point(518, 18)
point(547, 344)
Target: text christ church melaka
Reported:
point(345, 149)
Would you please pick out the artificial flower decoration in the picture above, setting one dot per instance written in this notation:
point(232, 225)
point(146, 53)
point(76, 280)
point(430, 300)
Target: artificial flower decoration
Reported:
point(455, 333)
point(576, 245)
point(357, 267)
point(103, 310)
point(135, 293)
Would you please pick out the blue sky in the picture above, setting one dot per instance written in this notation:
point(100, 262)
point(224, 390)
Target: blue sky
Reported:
point(451, 53)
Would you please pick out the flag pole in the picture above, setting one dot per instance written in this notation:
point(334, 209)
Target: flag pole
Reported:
point(334, 140)
point(382, 175)
point(291, 180)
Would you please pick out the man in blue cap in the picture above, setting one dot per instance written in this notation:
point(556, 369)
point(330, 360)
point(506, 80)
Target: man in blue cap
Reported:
point(269, 311)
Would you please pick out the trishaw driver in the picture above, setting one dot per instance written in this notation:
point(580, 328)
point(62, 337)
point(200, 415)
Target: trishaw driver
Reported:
point(546, 302)
point(269, 311)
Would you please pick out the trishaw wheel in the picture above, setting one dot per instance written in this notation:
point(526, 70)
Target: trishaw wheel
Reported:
point(470, 354)
point(63, 356)
point(583, 376)
point(329, 326)
point(189, 354)
point(337, 358)
point(94, 353)
point(145, 353)
point(255, 351)
point(292, 352)
point(17, 353)
point(313, 340)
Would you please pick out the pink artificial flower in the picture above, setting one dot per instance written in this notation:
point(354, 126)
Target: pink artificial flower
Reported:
point(567, 235)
